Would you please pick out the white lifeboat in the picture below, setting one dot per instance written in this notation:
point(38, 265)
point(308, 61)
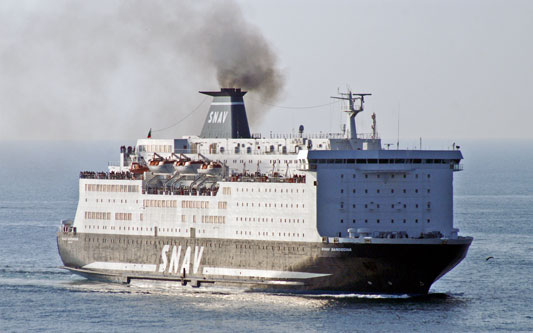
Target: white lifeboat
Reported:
point(187, 167)
point(138, 169)
point(212, 168)
point(159, 164)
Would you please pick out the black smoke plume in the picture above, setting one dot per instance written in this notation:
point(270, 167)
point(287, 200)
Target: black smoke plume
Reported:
point(75, 69)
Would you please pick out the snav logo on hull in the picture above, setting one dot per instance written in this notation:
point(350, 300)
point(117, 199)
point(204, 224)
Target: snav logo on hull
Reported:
point(175, 258)
point(217, 117)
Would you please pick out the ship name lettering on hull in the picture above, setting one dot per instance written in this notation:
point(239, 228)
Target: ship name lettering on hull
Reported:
point(173, 266)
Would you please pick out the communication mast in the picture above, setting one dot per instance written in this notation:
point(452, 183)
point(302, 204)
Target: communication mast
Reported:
point(352, 111)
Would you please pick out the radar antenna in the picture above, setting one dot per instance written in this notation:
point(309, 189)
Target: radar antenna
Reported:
point(352, 110)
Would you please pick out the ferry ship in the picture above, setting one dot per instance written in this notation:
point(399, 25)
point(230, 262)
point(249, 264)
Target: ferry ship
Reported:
point(297, 212)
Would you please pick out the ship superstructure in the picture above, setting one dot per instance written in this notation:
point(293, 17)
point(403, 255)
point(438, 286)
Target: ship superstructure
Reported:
point(297, 212)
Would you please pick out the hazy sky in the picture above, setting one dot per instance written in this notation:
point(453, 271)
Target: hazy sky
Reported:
point(100, 69)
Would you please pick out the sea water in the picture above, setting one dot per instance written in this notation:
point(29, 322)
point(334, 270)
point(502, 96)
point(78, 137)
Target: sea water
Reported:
point(492, 289)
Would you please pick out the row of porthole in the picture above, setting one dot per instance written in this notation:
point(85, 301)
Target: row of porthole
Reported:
point(270, 247)
point(378, 191)
point(112, 200)
point(198, 231)
point(263, 161)
point(147, 242)
point(391, 176)
point(208, 244)
point(97, 227)
point(269, 190)
point(269, 205)
point(265, 219)
point(265, 233)
point(391, 221)
point(393, 206)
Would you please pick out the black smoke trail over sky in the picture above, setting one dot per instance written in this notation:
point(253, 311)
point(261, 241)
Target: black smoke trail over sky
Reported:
point(111, 69)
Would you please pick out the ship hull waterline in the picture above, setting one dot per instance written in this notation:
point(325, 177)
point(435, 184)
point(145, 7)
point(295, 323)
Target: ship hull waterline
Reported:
point(407, 267)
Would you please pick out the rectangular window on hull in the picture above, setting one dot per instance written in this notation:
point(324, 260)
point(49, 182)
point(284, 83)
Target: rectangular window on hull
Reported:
point(111, 188)
point(213, 219)
point(161, 203)
point(97, 215)
point(194, 204)
point(123, 216)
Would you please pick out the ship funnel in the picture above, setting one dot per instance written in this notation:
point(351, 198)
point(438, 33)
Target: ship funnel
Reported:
point(227, 115)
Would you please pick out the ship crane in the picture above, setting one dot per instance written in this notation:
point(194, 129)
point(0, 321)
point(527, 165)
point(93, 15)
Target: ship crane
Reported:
point(351, 133)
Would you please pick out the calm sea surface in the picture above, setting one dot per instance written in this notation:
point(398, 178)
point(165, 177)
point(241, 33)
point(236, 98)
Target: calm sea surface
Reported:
point(493, 203)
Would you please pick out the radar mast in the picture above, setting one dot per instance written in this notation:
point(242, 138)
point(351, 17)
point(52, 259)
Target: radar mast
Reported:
point(351, 132)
